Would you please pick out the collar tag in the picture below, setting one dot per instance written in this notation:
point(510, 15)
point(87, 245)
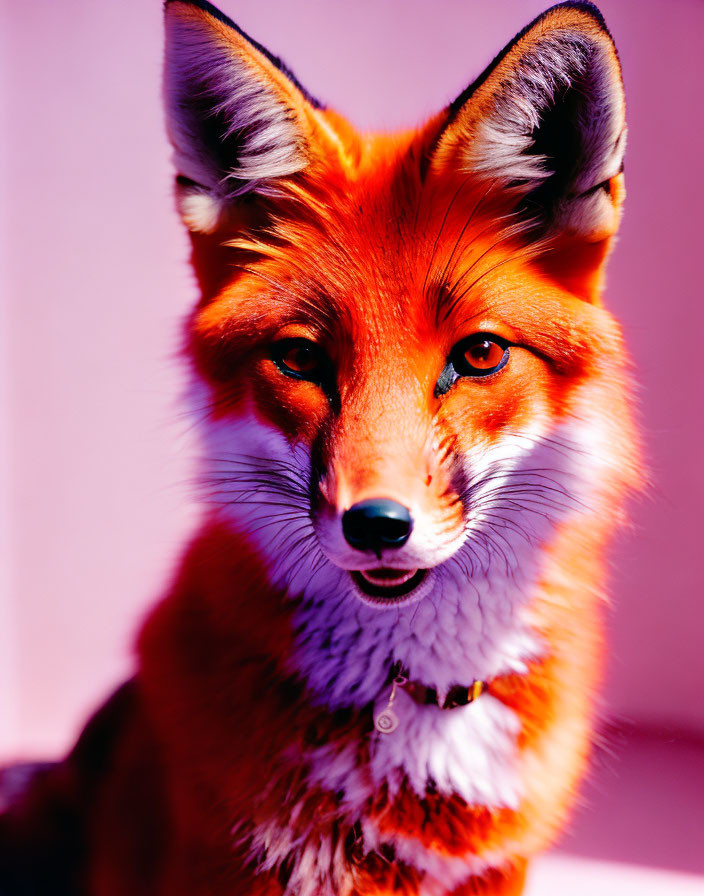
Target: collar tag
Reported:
point(387, 721)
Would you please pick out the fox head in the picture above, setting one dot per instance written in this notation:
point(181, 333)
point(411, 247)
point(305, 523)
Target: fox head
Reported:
point(407, 383)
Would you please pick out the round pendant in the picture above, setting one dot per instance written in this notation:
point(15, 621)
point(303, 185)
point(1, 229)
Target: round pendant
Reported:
point(386, 721)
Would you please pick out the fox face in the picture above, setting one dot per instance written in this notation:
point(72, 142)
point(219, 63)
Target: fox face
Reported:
point(407, 385)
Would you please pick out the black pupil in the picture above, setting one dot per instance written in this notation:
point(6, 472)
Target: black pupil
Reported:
point(481, 351)
point(300, 359)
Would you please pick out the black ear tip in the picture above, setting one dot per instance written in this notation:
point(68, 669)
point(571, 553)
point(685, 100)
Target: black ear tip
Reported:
point(274, 60)
point(580, 6)
point(204, 6)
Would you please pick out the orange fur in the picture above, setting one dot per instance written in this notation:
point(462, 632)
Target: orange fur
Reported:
point(384, 251)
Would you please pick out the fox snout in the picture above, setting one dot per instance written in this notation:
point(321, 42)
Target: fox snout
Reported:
point(387, 523)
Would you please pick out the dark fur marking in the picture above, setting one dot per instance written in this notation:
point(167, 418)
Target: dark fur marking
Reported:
point(43, 833)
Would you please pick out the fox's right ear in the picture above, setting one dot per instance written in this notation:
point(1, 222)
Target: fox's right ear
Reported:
point(546, 122)
point(239, 122)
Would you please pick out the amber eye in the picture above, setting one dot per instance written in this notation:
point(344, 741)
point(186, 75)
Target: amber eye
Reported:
point(479, 355)
point(484, 355)
point(301, 359)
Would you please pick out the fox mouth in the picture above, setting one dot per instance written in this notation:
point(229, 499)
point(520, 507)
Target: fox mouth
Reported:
point(384, 584)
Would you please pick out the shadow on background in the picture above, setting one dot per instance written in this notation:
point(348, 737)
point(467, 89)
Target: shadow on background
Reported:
point(643, 803)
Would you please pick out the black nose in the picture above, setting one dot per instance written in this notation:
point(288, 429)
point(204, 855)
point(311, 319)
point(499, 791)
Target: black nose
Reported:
point(376, 524)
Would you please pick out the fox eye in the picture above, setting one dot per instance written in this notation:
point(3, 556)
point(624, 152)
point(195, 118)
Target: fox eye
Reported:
point(478, 355)
point(301, 359)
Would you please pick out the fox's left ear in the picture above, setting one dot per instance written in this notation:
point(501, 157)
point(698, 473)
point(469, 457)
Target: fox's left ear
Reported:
point(546, 122)
point(239, 121)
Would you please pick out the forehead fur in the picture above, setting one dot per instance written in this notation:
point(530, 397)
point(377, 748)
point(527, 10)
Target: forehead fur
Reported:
point(380, 251)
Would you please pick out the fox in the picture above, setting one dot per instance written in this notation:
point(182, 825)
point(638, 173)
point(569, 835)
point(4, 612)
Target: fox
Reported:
point(375, 670)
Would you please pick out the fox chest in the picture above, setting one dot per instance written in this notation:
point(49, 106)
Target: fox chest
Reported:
point(404, 810)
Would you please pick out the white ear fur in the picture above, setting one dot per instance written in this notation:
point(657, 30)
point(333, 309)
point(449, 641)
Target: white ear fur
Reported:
point(233, 129)
point(550, 125)
point(201, 211)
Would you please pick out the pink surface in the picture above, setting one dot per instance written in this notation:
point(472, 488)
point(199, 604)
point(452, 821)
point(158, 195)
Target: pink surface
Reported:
point(642, 803)
point(568, 876)
point(640, 827)
point(95, 456)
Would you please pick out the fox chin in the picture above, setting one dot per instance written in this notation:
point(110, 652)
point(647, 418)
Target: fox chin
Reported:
point(374, 669)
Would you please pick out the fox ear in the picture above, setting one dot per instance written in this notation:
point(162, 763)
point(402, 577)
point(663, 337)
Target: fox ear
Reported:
point(546, 121)
point(239, 122)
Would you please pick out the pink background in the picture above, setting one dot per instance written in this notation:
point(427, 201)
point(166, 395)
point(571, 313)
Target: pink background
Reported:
point(95, 455)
